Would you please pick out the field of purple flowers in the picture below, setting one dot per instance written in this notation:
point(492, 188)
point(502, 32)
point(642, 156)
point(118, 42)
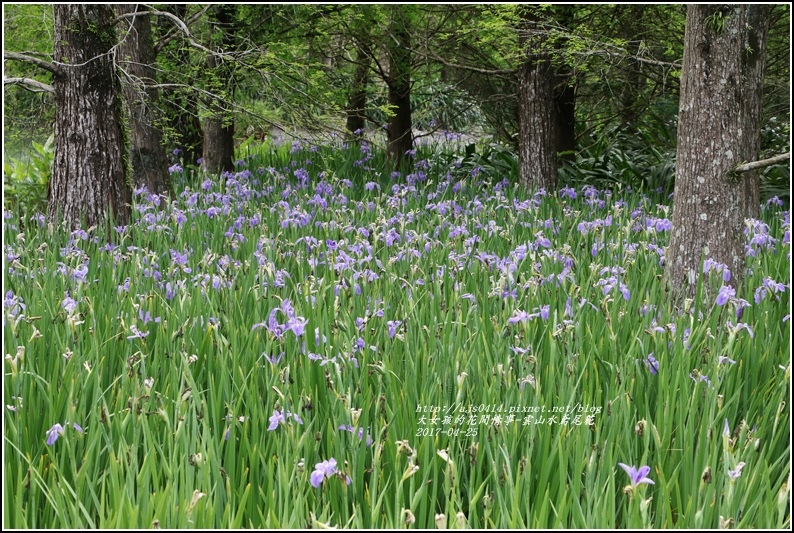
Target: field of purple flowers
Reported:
point(311, 342)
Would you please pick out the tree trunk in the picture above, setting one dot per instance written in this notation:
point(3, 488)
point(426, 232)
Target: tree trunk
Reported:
point(565, 94)
point(182, 105)
point(400, 134)
point(89, 175)
point(718, 128)
point(537, 131)
point(357, 99)
point(564, 111)
point(758, 20)
point(149, 162)
point(632, 83)
point(219, 127)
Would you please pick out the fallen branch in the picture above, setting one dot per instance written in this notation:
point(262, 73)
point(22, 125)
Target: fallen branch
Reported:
point(755, 165)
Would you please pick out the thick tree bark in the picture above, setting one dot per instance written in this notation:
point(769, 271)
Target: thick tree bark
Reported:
point(89, 175)
point(357, 99)
point(400, 134)
point(219, 127)
point(537, 132)
point(149, 162)
point(718, 128)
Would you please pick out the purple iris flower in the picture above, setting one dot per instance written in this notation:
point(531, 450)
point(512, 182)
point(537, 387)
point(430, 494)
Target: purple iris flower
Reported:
point(722, 359)
point(14, 303)
point(737, 472)
point(393, 325)
point(275, 359)
point(352, 430)
point(520, 316)
point(323, 470)
point(53, 433)
point(136, 334)
point(638, 476)
point(652, 364)
point(726, 293)
point(281, 418)
point(69, 304)
point(275, 420)
point(147, 317)
point(297, 325)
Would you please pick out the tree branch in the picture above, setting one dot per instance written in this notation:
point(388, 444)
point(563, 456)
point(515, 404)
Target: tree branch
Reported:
point(42, 64)
point(173, 33)
point(470, 68)
point(755, 165)
point(179, 24)
point(30, 85)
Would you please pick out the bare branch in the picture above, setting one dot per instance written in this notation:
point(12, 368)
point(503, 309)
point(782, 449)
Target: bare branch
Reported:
point(42, 64)
point(496, 72)
point(755, 165)
point(170, 35)
point(30, 85)
point(180, 25)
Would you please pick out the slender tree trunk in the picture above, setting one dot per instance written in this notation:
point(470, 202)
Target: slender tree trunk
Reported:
point(182, 106)
point(89, 175)
point(537, 132)
point(357, 103)
point(219, 127)
point(631, 85)
point(564, 111)
point(400, 134)
point(565, 96)
point(149, 162)
point(717, 130)
point(758, 21)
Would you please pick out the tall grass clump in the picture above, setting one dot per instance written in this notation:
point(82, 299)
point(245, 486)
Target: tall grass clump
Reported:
point(315, 341)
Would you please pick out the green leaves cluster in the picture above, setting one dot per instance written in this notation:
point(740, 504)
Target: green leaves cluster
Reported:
point(26, 180)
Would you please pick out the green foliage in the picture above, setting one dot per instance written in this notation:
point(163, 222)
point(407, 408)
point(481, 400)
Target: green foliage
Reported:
point(292, 67)
point(26, 180)
point(716, 21)
point(494, 160)
point(436, 104)
point(618, 157)
point(776, 179)
point(29, 28)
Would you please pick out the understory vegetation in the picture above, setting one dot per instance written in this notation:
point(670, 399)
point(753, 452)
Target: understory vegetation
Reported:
point(313, 340)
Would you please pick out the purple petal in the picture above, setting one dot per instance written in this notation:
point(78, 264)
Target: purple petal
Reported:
point(317, 478)
point(275, 420)
point(630, 470)
point(53, 433)
point(643, 471)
